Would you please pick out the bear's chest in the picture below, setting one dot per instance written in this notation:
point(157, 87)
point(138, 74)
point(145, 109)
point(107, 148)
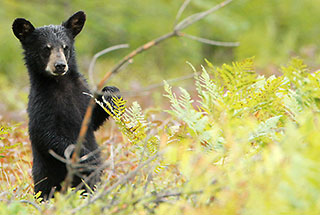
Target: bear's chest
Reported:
point(61, 105)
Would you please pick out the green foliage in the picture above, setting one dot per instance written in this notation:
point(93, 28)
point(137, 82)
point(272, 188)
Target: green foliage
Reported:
point(234, 92)
point(13, 208)
point(269, 132)
point(3, 130)
point(133, 125)
point(245, 144)
point(305, 84)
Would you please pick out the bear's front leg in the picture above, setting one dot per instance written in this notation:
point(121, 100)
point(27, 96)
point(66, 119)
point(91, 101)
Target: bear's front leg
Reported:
point(99, 115)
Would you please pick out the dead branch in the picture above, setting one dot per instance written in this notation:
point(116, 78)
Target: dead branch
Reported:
point(32, 204)
point(176, 32)
point(58, 157)
point(154, 198)
point(96, 56)
point(210, 42)
point(196, 17)
point(180, 11)
point(93, 174)
point(121, 181)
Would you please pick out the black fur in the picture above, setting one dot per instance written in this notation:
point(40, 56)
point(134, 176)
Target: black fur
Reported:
point(56, 103)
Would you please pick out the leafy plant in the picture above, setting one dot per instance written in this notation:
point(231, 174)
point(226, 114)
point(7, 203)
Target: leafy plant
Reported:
point(245, 144)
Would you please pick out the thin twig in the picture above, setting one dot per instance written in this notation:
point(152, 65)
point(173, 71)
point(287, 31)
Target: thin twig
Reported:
point(31, 203)
point(196, 17)
point(94, 173)
point(68, 161)
point(125, 179)
point(155, 198)
point(211, 42)
point(75, 157)
point(176, 32)
point(135, 52)
point(97, 55)
point(121, 181)
point(180, 11)
point(58, 157)
point(112, 157)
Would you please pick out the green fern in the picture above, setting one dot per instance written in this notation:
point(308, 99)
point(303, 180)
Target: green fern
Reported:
point(305, 84)
point(234, 91)
point(132, 123)
point(197, 120)
point(237, 77)
point(208, 91)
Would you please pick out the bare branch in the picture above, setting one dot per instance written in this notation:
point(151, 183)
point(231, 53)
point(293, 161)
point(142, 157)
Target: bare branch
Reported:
point(31, 203)
point(121, 181)
point(196, 17)
point(83, 130)
point(154, 198)
point(97, 55)
point(93, 174)
point(211, 42)
point(89, 155)
point(112, 157)
point(125, 179)
point(180, 11)
point(176, 32)
point(58, 157)
point(133, 54)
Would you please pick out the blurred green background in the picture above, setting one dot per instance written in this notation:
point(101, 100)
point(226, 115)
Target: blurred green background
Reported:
point(272, 30)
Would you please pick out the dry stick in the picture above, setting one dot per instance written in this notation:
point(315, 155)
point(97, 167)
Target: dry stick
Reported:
point(156, 198)
point(87, 119)
point(76, 154)
point(68, 162)
point(96, 56)
point(31, 203)
point(175, 33)
point(93, 174)
point(121, 181)
point(196, 17)
point(210, 42)
point(159, 197)
point(181, 9)
point(136, 52)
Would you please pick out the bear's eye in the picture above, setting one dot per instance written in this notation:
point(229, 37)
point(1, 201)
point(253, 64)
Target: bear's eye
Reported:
point(65, 47)
point(48, 47)
point(47, 50)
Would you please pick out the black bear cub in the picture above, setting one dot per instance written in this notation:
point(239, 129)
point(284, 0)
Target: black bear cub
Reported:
point(57, 102)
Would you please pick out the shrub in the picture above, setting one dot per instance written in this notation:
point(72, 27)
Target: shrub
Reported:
point(246, 144)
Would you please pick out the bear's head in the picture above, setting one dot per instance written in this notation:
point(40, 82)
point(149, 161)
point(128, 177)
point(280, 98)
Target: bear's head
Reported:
point(49, 49)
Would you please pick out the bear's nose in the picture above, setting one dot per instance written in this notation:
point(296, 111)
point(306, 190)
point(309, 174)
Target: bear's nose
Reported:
point(60, 67)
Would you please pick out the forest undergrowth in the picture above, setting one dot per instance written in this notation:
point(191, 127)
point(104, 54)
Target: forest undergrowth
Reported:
point(244, 144)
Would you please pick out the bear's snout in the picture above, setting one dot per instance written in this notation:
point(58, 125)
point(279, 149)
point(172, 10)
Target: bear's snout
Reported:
point(60, 67)
point(57, 63)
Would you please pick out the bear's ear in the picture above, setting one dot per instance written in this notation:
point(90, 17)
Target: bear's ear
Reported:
point(75, 23)
point(22, 28)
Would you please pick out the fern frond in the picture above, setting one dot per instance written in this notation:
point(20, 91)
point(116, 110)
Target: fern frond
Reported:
point(237, 77)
